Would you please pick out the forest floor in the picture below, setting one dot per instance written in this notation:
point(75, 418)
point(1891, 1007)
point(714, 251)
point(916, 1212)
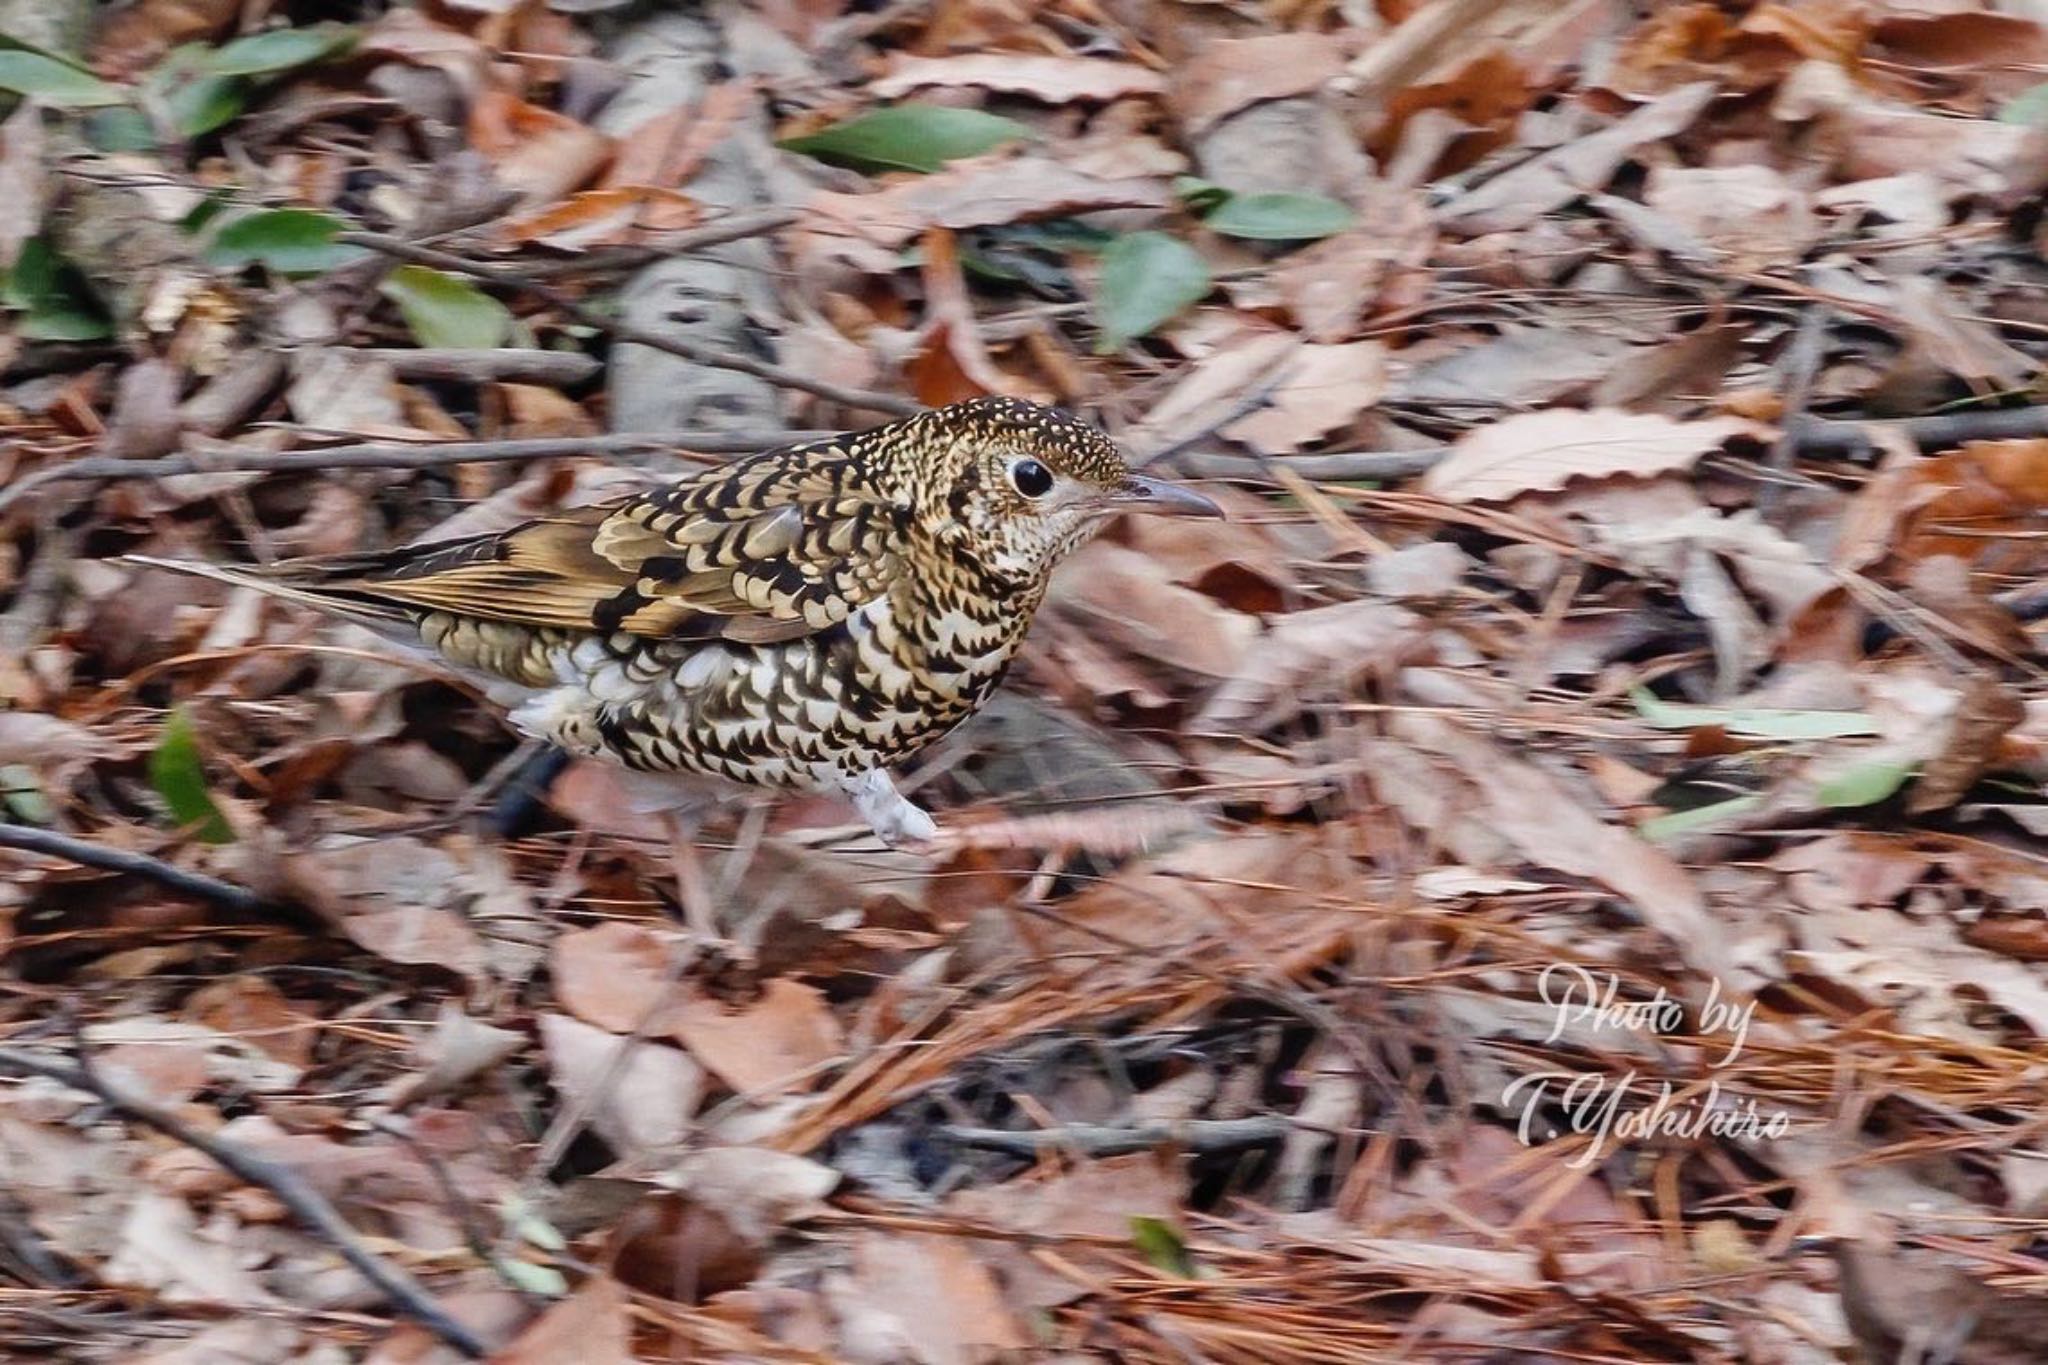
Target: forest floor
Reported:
point(1558, 876)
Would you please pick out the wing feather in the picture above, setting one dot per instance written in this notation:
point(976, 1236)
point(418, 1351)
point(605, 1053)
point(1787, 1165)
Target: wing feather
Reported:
point(769, 548)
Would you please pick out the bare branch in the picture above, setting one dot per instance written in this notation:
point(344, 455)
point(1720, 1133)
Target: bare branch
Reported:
point(239, 899)
point(1099, 1140)
point(509, 278)
point(400, 1290)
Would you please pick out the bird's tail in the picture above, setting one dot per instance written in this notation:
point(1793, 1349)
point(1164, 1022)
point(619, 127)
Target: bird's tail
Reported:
point(292, 584)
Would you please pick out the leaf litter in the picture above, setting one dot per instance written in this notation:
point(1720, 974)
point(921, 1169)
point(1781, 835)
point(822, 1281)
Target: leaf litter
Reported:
point(1633, 587)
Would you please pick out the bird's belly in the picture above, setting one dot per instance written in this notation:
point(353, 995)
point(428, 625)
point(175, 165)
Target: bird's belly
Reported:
point(803, 713)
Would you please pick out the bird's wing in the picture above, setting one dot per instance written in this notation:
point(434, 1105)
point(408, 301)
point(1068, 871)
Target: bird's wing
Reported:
point(769, 548)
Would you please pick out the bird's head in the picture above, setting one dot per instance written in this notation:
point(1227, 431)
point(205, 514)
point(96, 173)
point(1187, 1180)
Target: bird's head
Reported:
point(1018, 485)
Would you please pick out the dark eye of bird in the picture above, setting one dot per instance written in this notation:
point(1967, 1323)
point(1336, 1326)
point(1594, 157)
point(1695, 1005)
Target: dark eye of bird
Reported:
point(1031, 478)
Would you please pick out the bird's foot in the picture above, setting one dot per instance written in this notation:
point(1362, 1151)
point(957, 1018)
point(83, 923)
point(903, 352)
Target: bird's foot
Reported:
point(897, 820)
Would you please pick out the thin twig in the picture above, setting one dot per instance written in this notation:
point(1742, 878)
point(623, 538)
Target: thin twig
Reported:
point(478, 365)
point(399, 1289)
point(238, 899)
point(401, 455)
point(1336, 465)
point(1100, 1139)
point(506, 277)
point(730, 228)
point(1848, 436)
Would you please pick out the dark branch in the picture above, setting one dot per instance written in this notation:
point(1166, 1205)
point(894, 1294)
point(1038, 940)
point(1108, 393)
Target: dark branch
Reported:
point(399, 1289)
point(509, 278)
point(238, 899)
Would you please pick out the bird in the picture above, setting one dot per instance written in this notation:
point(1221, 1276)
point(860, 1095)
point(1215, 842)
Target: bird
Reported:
point(804, 618)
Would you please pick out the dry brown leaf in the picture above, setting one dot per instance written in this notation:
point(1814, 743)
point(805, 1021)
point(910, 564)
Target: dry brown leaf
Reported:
point(392, 896)
point(1122, 593)
point(866, 230)
point(926, 1299)
point(614, 975)
point(593, 1326)
point(758, 1190)
point(1331, 288)
point(1550, 828)
point(1752, 215)
point(1056, 80)
point(1517, 197)
point(779, 1042)
point(1232, 73)
point(540, 154)
point(1988, 712)
point(1097, 1199)
point(641, 1104)
point(1540, 451)
point(1316, 391)
point(1322, 646)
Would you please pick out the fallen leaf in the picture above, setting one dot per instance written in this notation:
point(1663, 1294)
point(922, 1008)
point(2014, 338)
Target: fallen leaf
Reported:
point(1307, 649)
point(593, 1326)
point(1055, 80)
point(1751, 215)
point(640, 1104)
point(927, 1299)
point(1229, 74)
point(866, 230)
point(1551, 179)
point(1319, 389)
point(1538, 451)
point(778, 1042)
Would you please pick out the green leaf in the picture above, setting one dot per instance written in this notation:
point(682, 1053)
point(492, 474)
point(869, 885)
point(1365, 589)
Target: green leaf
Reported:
point(289, 241)
point(279, 49)
point(1752, 722)
point(543, 1280)
point(1713, 815)
point(2030, 107)
point(179, 776)
point(122, 129)
point(524, 1221)
point(190, 98)
point(54, 300)
point(1866, 784)
point(1199, 194)
point(908, 137)
point(443, 310)
point(1280, 217)
point(22, 795)
point(54, 82)
point(1159, 1243)
point(1147, 277)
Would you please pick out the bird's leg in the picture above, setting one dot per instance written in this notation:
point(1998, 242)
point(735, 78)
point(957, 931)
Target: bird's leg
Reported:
point(899, 821)
point(691, 887)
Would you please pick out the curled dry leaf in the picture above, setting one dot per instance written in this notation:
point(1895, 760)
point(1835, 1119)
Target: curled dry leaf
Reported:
point(1545, 450)
point(758, 1190)
point(1318, 390)
point(392, 896)
point(925, 1299)
point(1232, 73)
point(1331, 288)
point(1056, 80)
point(1751, 215)
point(1321, 645)
point(1517, 197)
point(866, 230)
point(1124, 593)
point(593, 1326)
point(640, 1103)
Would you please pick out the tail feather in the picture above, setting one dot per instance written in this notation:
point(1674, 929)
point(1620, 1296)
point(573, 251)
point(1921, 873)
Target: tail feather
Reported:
point(334, 601)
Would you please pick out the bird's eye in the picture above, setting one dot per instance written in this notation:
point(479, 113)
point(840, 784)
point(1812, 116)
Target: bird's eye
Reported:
point(1031, 478)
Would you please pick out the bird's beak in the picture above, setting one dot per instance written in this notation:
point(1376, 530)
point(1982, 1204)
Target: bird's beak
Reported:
point(1140, 494)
